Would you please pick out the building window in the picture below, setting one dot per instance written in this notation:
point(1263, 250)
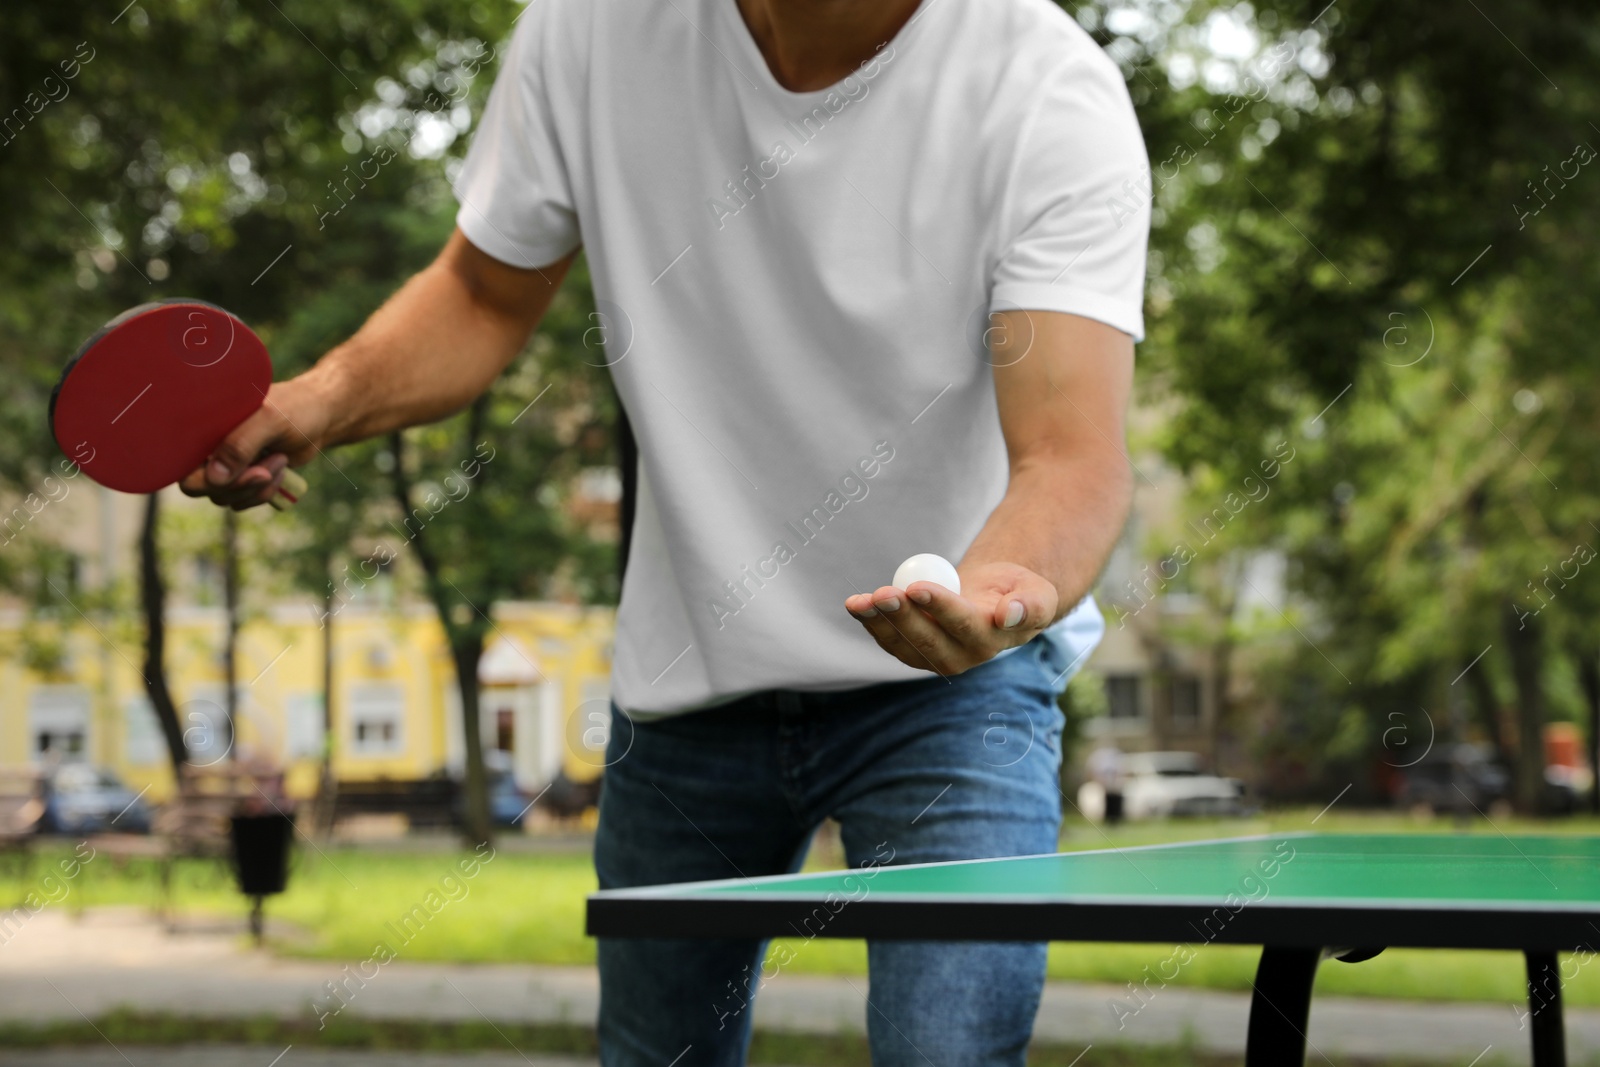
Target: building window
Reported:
point(1123, 695)
point(303, 738)
point(209, 580)
point(377, 711)
point(373, 735)
point(142, 740)
point(1185, 697)
point(58, 722)
point(207, 733)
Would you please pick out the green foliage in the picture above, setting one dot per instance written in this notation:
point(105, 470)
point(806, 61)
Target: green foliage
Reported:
point(1350, 254)
point(289, 162)
point(283, 161)
point(194, 142)
point(490, 487)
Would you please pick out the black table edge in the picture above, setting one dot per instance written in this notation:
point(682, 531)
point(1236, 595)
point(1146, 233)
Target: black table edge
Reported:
point(1310, 924)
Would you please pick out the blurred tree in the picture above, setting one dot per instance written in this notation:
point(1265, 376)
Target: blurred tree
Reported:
point(287, 162)
point(334, 525)
point(484, 499)
point(318, 552)
point(153, 602)
point(1368, 240)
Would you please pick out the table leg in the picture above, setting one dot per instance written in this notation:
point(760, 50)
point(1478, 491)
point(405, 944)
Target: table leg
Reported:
point(1544, 1010)
point(1281, 1007)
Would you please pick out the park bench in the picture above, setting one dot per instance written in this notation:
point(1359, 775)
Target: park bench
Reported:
point(427, 803)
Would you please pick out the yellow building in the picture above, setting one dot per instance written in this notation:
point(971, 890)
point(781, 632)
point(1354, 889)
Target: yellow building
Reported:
point(396, 708)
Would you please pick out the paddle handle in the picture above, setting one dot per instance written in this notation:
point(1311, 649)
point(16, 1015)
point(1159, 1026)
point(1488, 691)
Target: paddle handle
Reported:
point(290, 490)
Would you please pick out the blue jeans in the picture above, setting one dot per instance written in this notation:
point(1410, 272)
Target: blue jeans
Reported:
point(935, 769)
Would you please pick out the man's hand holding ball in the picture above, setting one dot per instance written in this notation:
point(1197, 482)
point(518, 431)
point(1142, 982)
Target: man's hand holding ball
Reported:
point(936, 618)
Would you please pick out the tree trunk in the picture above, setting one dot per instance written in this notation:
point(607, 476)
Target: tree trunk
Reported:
point(327, 784)
point(1161, 681)
point(230, 645)
point(1524, 646)
point(1222, 650)
point(1221, 682)
point(153, 601)
point(1589, 679)
point(1488, 709)
point(467, 649)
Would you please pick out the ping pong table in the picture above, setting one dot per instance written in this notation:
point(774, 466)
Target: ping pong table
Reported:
point(1303, 897)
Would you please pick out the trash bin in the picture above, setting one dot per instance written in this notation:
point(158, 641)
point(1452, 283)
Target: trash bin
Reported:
point(261, 858)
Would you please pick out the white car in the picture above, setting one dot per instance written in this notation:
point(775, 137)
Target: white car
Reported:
point(1156, 784)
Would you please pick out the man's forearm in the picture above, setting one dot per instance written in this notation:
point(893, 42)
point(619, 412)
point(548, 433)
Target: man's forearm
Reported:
point(432, 348)
point(1059, 518)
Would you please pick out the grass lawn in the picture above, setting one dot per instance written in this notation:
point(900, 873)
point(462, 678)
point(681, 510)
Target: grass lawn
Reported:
point(528, 907)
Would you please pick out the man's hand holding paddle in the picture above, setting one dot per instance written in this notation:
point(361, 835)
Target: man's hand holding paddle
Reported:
point(148, 398)
point(248, 467)
point(435, 346)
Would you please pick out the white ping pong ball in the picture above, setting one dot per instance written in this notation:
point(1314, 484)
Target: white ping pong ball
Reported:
point(927, 567)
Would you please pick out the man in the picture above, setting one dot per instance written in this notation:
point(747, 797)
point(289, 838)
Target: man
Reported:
point(871, 275)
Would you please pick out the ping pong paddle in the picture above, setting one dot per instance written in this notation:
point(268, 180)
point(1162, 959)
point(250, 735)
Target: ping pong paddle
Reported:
point(152, 393)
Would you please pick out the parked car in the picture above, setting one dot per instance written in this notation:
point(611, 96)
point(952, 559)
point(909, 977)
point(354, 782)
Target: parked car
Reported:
point(1156, 784)
point(80, 798)
point(1458, 778)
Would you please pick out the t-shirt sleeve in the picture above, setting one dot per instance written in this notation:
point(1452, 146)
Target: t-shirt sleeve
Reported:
point(1078, 205)
point(514, 188)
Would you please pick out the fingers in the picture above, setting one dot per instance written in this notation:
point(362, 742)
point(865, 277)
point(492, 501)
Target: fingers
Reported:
point(194, 483)
point(1023, 611)
point(860, 605)
point(238, 452)
point(257, 491)
point(246, 467)
point(904, 631)
point(256, 484)
point(928, 627)
point(954, 614)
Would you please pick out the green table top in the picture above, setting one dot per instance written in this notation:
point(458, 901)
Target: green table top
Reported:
point(1523, 871)
point(1466, 890)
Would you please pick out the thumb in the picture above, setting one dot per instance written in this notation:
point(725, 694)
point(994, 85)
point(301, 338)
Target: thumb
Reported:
point(1029, 606)
point(236, 452)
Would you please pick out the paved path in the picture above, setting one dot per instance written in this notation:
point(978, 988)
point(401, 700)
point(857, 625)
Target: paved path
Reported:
point(58, 968)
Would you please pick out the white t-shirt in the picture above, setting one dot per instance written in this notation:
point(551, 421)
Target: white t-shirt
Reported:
point(795, 289)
